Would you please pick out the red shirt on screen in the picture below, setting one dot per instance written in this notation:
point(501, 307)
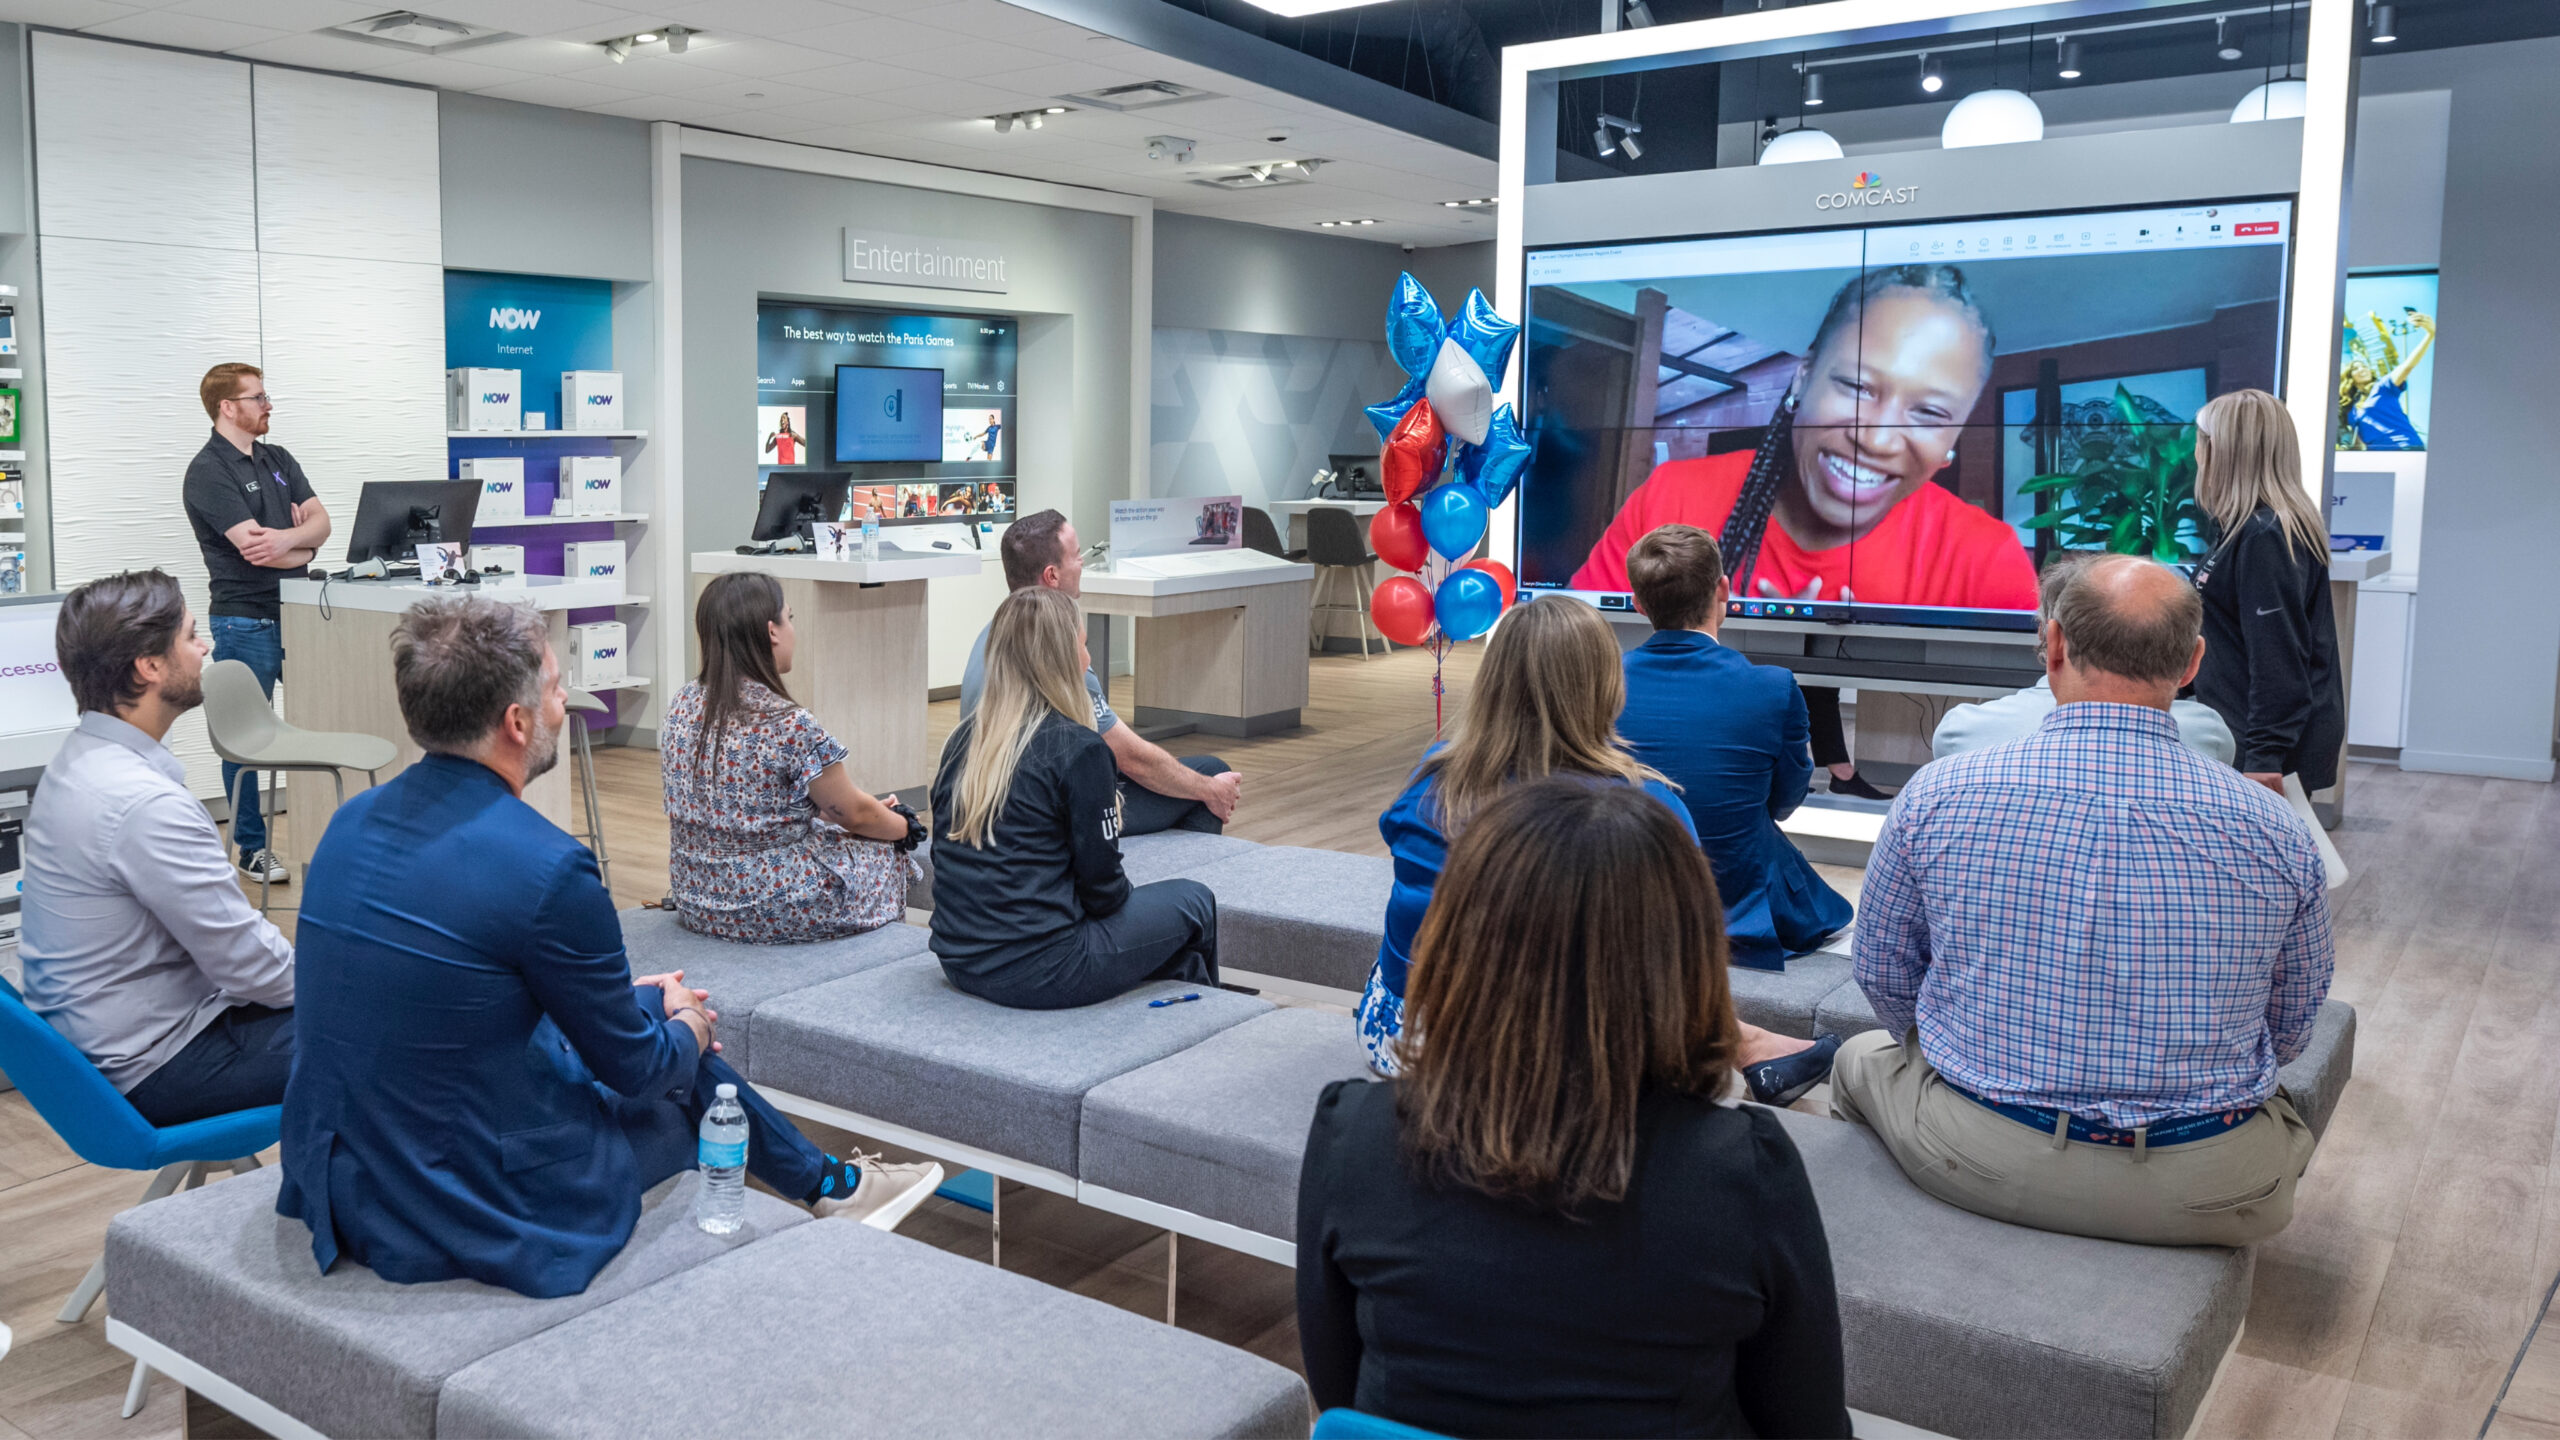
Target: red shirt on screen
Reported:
point(1932, 549)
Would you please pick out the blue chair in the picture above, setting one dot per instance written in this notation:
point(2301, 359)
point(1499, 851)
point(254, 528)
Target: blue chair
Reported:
point(103, 1128)
point(1345, 1423)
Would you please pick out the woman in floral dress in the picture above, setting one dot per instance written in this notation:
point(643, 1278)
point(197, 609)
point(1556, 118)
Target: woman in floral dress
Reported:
point(770, 841)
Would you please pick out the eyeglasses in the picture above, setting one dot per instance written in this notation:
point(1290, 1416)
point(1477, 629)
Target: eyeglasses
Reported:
point(258, 399)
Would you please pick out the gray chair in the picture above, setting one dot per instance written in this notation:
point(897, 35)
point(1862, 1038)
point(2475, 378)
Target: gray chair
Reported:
point(581, 705)
point(245, 730)
point(1336, 544)
point(1260, 534)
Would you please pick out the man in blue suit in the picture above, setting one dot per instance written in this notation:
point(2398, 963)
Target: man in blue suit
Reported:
point(481, 1089)
point(1735, 738)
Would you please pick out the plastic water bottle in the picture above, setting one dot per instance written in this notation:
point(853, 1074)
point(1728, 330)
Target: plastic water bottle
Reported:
point(722, 1157)
point(871, 535)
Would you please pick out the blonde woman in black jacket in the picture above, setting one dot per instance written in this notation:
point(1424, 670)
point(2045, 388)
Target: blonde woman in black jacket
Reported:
point(1031, 907)
point(2271, 636)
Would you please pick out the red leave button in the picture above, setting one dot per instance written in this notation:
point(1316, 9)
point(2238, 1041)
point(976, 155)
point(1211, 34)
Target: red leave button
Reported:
point(2257, 227)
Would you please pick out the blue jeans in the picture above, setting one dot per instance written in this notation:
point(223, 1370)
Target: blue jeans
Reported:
point(258, 644)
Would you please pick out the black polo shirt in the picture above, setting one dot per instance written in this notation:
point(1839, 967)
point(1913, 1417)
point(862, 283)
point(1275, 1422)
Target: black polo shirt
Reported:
point(225, 487)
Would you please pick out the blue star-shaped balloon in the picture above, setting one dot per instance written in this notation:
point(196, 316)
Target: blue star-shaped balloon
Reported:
point(1414, 327)
point(1494, 467)
point(1485, 336)
point(1383, 418)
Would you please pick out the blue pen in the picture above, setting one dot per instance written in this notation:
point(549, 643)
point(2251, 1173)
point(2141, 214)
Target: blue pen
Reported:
point(1172, 1000)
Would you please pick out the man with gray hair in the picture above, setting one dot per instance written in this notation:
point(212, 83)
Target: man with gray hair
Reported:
point(482, 1089)
point(2090, 950)
point(2016, 716)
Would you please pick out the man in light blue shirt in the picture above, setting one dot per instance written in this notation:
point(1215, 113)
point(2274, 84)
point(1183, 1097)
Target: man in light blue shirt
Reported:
point(138, 945)
point(2015, 716)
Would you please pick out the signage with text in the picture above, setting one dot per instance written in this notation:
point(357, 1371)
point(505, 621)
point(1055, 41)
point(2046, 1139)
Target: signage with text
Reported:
point(886, 257)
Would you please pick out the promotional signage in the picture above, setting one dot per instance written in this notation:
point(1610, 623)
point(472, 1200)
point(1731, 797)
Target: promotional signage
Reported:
point(885, 257)
point(542, 326)
point(1175, 525)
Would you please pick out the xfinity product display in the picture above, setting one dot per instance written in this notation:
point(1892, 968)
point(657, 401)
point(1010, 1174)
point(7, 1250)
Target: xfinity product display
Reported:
point(884, 414)
point(1891, 423)
point(921, 402)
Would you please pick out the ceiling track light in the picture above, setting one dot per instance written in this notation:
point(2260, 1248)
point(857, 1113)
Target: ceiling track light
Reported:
point(1027, 119)
point(2066, 58)
point(1933, 75)
point(679, 39)
point(1612, 135)
point(1812, 89)
point(618, 50)
point(2385, 28)
point(2224, 47)
point(1639, 17)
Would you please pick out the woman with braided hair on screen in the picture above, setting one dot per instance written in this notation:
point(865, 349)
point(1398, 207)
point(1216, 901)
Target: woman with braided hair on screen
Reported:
point(1895, 368)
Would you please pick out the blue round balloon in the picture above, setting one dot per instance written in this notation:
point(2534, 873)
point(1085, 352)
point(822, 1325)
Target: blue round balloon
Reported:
point(1453, 519)
point(1383, 418)
point(1467, 604)
point(1414, 328)
point(1494, 467)
point(1485, 336)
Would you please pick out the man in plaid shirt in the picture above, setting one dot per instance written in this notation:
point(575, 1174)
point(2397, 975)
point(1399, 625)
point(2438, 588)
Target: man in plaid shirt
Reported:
point(2090, 950)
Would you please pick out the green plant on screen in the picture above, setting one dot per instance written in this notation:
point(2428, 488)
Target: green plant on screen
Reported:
point(2130, 487)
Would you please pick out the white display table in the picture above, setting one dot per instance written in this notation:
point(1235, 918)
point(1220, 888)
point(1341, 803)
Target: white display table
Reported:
point(860, 666)
point(337, 676)
point(1221, 638)
point(2348, 570)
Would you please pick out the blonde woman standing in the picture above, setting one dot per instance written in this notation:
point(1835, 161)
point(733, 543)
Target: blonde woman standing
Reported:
point(1032, 908)
point(2271, 639)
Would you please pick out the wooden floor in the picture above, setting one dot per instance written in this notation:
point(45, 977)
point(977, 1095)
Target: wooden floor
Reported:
point(2425, 1241)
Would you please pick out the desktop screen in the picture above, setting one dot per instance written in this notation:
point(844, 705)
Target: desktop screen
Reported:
point(1891, 423)
point(34, 696)
point(885, 414)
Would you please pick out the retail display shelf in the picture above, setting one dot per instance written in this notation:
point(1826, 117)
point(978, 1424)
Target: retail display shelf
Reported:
point(619, 517)
point(546, 434)
point(627, 682)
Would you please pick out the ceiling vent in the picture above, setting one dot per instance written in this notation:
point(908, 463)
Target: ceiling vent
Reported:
point(1263, 175)
point(419, 34)
point(1140, 95)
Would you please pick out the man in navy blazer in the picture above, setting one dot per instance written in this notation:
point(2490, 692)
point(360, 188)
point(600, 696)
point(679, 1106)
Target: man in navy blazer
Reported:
point(481, 1089)
point(1735, 738)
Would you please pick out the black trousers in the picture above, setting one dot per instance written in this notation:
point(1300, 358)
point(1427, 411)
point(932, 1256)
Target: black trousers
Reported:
point(239, 1062)
point(1167, 931)
point(1830, 736)
point(1144, 812)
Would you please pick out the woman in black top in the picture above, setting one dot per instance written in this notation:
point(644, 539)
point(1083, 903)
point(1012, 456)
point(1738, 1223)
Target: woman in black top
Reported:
point(2270, 635)
point(1555, 1223)
point(1031, 908)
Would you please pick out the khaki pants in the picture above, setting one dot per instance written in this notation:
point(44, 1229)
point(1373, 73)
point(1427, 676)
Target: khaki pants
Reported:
point(2230, 1189)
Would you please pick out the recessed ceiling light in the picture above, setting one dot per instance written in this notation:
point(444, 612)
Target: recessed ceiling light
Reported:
point(647, 37)
point(1340, 224)
point(1055, 110)
point(1300, 9)
point(1469, 204)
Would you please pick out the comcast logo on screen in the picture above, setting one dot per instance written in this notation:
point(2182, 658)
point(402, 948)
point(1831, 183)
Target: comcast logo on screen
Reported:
point(1868, 189)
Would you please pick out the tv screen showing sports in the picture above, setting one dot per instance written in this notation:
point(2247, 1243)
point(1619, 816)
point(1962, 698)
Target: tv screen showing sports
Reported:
point(1891, 423)
point(885, 414)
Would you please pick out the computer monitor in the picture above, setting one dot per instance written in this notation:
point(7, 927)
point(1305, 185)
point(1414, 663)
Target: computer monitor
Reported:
point(34, 697)
point(1359, 473)
point(890, 414)
point(393, 517)
point(793, 502)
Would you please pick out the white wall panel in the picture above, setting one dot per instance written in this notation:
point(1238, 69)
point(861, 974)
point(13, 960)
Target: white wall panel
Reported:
point(139, 144)
point(355, 357)
point(347, 167)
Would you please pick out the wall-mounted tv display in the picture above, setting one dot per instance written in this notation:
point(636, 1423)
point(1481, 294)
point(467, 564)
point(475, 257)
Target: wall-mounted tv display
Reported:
point(919, 403)
point(2387, 364)
point(1891, 423)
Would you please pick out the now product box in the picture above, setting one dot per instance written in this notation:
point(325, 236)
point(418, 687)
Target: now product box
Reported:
point(501, 480)
point(592, 484)
point(593, 560)
point(596, 653)
point(590, 399)
point(479, 399)
point(509, 558)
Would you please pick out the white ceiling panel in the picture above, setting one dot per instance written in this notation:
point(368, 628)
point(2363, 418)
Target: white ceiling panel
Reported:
point(187, 32)
point(845, 79)
point(535, 56)
point(964, 57)
point(684, 110)
point(321, 51)
point(531, 17)
point(442, 73)
point(746, 55)
point(67, 14)
point(557, 90)
point(295, 16)
point(778, 19)
point(873, 37)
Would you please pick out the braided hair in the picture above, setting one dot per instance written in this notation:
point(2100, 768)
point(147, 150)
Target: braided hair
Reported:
point(1775, 461)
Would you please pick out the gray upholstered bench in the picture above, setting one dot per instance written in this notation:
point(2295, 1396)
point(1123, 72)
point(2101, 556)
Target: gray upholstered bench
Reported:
point(216, 1290)
point(838, 1329)
point(742, 977)
point(1145, 858)
point(1968, 1326)
point(1788, 1001)
point(1308, 916)
point(2315, 1079)
point(898, 1054)
point(1218, 1132)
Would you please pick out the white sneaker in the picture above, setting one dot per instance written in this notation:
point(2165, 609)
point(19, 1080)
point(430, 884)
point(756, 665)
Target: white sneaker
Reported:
point(886, 1194)
point(264, 865)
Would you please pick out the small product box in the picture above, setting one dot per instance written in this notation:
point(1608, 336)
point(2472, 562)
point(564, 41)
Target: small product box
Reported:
point(481, 399)
point(592, 484)
point(506, 558)
point(501, 480)
point(596, 653)
point(593, 560)
point(590, 399)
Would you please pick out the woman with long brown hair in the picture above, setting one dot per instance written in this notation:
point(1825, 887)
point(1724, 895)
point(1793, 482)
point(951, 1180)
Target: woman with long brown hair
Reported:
point(769, 841)
point(1557, 1221)
point(1031, 907)
point(1546, 702)
point(2271, 668)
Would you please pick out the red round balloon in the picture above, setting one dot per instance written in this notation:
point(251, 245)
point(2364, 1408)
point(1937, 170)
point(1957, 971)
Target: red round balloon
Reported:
point(1396, 534)
point(1501, 574)
point(1402, 610)
point(1415, 449)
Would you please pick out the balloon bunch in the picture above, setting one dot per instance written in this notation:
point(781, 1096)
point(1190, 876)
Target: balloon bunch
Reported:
point(1441, 495)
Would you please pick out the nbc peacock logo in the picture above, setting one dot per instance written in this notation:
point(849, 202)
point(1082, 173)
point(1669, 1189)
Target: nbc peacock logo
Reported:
point(1867, 179)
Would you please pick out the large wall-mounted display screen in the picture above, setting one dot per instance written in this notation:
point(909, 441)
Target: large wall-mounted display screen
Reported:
point(919, 408)
point(2387, 371)
point(1891, 423)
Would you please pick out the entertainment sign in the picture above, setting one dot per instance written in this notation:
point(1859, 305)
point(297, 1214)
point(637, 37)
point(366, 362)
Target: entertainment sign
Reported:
point(882, 257)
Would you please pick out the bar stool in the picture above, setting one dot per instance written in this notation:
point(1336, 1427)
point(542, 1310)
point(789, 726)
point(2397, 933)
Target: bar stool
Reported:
point(1335, 545)
point(584, 704)
point(246, 731)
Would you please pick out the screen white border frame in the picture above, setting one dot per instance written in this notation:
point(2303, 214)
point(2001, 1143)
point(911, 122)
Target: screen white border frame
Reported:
point(2318, 284)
